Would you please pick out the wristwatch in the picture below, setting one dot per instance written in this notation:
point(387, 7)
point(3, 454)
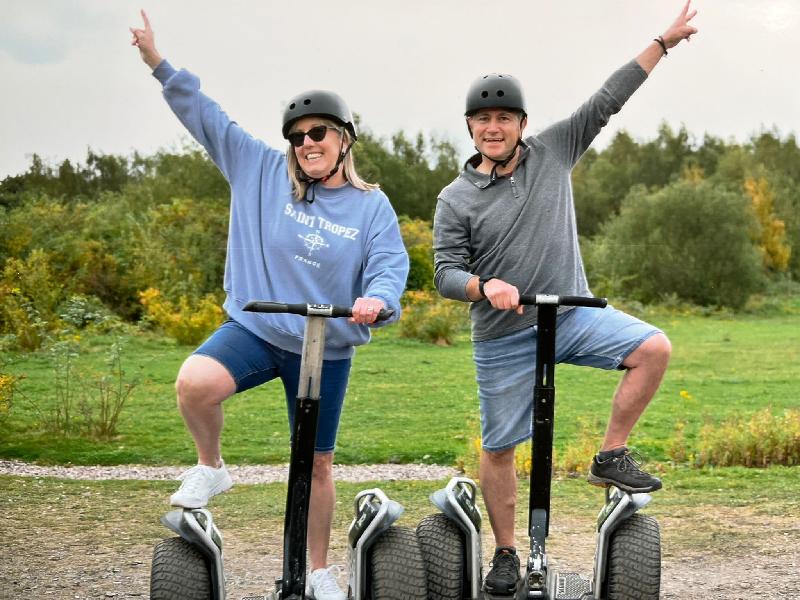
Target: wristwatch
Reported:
point(482, 281)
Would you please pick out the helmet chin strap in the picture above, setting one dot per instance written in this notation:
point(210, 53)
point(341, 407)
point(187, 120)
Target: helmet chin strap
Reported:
point(500, 162)
point(313, 181)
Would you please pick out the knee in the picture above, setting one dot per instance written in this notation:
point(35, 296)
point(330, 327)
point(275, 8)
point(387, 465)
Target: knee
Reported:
point(498, 458)
point(193, 390)
point(203, 381)
point(660, 348)
point(323, 467)
point(654, 352)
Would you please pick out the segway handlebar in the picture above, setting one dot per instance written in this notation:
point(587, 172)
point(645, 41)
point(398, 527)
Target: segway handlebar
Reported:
point(312, 310)
point(563, 300)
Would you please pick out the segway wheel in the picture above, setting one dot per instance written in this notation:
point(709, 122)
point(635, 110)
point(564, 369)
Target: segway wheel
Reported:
point(179, 572)
point(397, 571)
point(442, 545)
point(634, 560)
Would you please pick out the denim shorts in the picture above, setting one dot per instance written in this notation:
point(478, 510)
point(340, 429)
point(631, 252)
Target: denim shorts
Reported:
point(506, 366)
point(252, 361)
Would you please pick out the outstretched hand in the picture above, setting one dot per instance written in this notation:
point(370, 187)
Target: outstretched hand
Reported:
point(680, 29)
point(145, 41)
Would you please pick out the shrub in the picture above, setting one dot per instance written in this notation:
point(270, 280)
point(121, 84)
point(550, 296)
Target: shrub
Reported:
point(760, 440)
point(418, 239)
point(689, 239)
point(29, 296)
point(188, 322)
point(431, 318)
point(420, 273)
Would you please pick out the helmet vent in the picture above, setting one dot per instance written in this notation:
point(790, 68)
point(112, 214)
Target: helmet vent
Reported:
point(307, 101)
point(292, 105)
point(500, 93)
point(484, 94)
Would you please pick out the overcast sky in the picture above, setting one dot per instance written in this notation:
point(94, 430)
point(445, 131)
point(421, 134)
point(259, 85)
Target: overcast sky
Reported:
point(70, 80)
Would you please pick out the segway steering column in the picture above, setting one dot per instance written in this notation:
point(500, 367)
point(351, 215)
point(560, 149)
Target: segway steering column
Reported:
point(542, 447)
point(304, 433)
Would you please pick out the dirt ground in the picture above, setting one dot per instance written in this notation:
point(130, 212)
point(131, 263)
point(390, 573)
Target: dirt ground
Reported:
point(735, 554)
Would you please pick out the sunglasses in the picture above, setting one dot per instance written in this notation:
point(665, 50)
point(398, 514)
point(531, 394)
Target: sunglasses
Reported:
point(317, 134)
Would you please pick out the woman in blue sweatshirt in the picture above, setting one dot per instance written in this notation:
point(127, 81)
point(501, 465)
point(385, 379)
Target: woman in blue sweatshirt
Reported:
point(303, 228)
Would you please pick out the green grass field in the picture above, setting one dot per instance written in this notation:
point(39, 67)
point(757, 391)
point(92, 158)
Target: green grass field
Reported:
point(415, 402)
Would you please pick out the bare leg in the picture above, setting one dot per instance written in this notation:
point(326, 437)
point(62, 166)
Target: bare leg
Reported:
point(202, 385)
point(323, 500)
point(645, 369)
point(499, 488)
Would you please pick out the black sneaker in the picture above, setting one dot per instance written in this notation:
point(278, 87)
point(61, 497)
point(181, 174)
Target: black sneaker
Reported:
point(503, 578)
point(622, 470)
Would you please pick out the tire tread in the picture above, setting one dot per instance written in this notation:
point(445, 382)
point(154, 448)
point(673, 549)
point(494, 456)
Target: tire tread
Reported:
point(178, 572)
point(634, 560)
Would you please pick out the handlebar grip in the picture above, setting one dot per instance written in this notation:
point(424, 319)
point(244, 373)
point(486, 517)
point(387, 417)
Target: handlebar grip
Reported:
point(314, 310)
point(582, 301)
point(275, 307)
point(563, 300)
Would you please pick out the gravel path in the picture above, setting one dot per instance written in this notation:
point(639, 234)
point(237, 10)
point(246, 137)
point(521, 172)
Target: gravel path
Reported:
point(240, 474)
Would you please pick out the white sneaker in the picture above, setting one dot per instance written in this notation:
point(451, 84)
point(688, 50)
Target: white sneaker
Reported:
point(322, 585)
point(200, 483)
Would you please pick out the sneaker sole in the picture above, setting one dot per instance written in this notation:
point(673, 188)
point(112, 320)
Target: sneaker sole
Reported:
point(604, 483)
point(512, 593)
point(507, 593)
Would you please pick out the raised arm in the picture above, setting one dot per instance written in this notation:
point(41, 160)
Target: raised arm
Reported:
point(677, 32)
point(230, 147)
point(145, 41)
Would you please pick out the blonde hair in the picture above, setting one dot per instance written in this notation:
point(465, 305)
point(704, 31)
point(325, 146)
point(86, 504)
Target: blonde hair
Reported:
point(348, 165)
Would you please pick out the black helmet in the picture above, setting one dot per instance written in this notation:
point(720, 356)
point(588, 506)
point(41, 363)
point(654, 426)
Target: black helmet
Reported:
point(318, 102)
point(495, 90)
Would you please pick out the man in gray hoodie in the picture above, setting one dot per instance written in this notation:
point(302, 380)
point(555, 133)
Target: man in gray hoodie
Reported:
point(505, 227)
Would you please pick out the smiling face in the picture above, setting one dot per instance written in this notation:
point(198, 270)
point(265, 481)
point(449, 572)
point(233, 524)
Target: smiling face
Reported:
point(317, 159)
point(495, 131)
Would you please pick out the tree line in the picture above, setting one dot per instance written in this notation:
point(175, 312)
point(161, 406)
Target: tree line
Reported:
point(710, 222)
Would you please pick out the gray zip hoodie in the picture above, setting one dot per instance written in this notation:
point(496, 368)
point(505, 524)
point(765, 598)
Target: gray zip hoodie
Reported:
point(521, 228)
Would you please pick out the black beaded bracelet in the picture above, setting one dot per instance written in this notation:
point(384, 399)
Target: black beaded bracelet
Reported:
point(661, 43)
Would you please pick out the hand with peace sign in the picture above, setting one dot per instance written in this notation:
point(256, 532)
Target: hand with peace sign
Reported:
point(680, 29)
point(145, 41)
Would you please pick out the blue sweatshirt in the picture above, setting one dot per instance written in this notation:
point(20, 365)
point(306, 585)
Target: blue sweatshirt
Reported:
point(345, 245)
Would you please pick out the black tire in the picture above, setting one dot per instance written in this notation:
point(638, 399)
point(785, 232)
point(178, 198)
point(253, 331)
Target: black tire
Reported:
point(179, 572)
point(397, 571)
point(442, 545)
point(634, 560)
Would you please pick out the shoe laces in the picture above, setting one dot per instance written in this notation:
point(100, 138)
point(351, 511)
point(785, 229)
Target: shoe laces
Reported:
point(326, 582)
point(194, 479)
point(504, 564)
point(630, 461)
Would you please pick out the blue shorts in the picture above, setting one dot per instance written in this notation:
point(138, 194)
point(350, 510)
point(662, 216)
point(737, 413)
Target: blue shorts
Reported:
point(252, 361)
point(506, 366)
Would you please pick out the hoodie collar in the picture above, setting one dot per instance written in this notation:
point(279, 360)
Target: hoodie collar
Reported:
point(483, 180)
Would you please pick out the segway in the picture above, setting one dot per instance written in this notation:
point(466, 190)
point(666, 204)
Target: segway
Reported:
point(190, 567)
point(627, 563)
